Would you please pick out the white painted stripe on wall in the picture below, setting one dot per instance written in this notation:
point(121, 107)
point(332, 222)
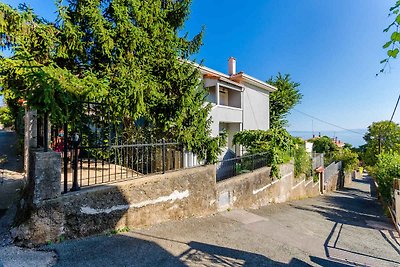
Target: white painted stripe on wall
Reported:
point(309, 182)
point(268, 185)
point(176, 195)
point(293, 187)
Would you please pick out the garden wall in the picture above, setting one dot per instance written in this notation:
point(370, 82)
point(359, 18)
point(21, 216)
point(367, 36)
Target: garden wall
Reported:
point(335, 178)
point(258, 188)
point(47, 215)
point(133, 203)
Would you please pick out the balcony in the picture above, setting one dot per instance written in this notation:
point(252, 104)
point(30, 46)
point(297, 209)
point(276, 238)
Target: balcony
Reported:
point(222, 113)
point(225, 96)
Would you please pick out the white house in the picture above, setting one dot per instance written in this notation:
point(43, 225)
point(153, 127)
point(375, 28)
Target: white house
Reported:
point(240, 102)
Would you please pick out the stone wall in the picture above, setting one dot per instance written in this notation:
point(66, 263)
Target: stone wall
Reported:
point(258, 189)
point(149, 200)
point(135, 203)
point(335, 178)
point(47, 215)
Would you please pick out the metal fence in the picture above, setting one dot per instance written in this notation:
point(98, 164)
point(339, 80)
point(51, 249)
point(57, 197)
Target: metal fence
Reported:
point(90, 165)
point(235, 166)
point(97, 150)
point(317, 160)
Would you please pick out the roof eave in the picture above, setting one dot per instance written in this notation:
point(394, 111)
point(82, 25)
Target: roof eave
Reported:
point(259, 83)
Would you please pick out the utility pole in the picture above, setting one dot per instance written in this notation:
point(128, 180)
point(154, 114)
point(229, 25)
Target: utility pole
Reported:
point(380, 145)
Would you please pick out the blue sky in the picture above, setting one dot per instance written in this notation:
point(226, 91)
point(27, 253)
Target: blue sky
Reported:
point(332, 48)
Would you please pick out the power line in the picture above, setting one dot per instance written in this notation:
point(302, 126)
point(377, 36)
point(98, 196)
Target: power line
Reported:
point(394, 111)
point(340, 127)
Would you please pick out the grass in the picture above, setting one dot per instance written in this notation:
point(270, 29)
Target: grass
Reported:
point(119, 230)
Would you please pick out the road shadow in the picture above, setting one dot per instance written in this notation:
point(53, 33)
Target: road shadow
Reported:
point(328, 263)
point(351, 206)
point(124, 250)
point(10, 159)
point(354, 207)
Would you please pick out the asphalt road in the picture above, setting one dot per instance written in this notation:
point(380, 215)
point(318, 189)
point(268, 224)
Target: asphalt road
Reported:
point(11, 180)
point(345, 228)
point(8, 152)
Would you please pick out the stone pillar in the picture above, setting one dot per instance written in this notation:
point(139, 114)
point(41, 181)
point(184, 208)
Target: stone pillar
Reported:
point(320, 170)
point(45, 174)
point(30, 137)
point(397, 207)
point(40, 216)
point(322, 182)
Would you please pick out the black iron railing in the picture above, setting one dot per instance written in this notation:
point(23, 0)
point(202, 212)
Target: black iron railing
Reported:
point(91, 165)
point(97, 149)
point(235, 166)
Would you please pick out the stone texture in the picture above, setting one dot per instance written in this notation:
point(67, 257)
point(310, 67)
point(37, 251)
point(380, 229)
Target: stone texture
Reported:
point(45, 173)
point(147, 201)
point(257, 189)
point(40, 212)
point(30, 137)
point(134, 203)
point(44, 224)
point(337, 181)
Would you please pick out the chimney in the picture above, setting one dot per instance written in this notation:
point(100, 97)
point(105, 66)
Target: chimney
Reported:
point(232, 66)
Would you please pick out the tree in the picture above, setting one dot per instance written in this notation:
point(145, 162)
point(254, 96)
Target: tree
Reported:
point(386, 169)
point(348, 157)
point(324, 145)
point(282, 100)
point(126, 53)
point(383, 136)
point(392, 46)
point(6, 117)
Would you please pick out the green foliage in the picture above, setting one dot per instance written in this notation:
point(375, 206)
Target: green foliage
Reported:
point(348, 157)
point(386, 169)
point(324, 144)
point(6, 117)
point(279, 146)
point(315, 177)
point(260, 141)
point(213, 149)
point(392, 46)
point(282, 100)
point(126, 53)
point(302, 161)
point(276, 143)
point(349, 146)
point(385, 134)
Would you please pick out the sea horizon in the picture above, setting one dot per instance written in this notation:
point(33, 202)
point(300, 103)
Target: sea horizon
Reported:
point(353, 137)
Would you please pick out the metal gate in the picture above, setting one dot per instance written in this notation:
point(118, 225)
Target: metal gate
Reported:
point(95, 150)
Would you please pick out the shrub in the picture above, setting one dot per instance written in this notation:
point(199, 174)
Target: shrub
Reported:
point(6, 117)
point(324, 145)
point(349, 159)
point(302, 161)
point(276, 143)
point(256, 141)
point(385, 170)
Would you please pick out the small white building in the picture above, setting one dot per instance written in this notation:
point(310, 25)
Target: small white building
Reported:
point(309, 147)
point(240, 102)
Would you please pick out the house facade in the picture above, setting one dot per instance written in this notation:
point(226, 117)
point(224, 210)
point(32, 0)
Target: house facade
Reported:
point(239, 102)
